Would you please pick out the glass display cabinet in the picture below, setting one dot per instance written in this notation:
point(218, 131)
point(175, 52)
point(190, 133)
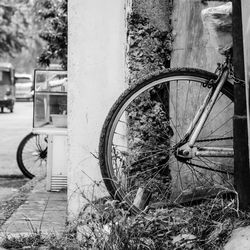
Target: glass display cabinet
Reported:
point(50, 118)
point(50, 99)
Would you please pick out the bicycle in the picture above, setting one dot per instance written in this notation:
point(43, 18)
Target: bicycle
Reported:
point(168, 140)
point(31, 155)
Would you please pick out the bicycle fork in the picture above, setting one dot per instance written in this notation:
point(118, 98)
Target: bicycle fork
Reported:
point(188, 150)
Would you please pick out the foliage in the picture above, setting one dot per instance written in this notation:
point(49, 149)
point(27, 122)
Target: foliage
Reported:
point(37, 240)
point(206, 225)
point(106, 224)
point(15, 24)
point(22, 241)
point(53, 15)
point(149, 49)
point(149, 133)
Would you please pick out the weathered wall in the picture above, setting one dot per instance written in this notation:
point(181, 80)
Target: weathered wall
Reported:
point(149, 38)
point(192, 46)
point(96, 78)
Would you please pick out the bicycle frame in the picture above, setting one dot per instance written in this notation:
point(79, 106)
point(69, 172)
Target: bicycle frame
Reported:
point(188, 150)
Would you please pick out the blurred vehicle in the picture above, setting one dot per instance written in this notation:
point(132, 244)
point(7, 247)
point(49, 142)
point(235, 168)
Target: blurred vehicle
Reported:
point(24, 86)
point(7, 86)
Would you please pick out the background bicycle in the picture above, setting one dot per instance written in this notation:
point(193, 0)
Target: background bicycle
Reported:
point(31, 155)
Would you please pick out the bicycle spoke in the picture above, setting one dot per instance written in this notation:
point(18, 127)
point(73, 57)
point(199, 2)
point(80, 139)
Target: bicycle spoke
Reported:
point(140, 140)
point(32, 155)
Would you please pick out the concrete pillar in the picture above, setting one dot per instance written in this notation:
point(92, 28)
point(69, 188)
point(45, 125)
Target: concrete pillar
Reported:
point(96, 70)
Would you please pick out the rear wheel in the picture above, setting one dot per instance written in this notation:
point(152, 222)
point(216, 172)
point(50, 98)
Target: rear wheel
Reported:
point(32, 155)
point(143, 131)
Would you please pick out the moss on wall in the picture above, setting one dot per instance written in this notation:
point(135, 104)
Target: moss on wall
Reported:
point(149, 38)
point(157, 11)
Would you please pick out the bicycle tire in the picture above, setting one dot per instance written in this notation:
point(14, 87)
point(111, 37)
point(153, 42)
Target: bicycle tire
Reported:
point(31, 155)
point(127, 108)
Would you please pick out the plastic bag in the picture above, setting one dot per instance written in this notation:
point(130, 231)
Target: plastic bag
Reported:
point(218, 21)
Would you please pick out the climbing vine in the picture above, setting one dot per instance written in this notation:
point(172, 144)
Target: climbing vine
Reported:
point(149, 49)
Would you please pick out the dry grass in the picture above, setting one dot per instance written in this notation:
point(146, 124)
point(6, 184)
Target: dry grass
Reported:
point(207, 225)
point(105, 224)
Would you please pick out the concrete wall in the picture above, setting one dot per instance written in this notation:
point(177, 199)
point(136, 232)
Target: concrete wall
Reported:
point(192, 46)
point(96, 78)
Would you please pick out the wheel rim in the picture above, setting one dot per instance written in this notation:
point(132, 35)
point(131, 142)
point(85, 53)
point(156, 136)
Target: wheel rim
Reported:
point(34, 155)
point(141, 158)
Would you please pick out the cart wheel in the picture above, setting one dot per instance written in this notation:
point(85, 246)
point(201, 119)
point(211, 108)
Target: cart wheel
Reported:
point(32, 155)
point(2, 109)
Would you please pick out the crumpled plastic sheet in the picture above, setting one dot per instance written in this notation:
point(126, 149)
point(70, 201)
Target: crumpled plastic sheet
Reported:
point(218, 22)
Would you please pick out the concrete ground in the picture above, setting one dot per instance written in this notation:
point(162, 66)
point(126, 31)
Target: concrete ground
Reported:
point(43, 212)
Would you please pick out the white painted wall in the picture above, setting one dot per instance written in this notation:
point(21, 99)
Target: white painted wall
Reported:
point(96, 70)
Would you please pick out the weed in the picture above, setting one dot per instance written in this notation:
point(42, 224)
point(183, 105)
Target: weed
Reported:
point(104, 224)
point(33, 240)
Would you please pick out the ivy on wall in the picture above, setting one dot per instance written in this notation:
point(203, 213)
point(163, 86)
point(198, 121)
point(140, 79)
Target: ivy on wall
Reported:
point(149, 48)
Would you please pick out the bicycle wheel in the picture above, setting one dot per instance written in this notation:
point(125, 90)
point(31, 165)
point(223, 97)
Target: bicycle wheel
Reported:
point(31, 155)
point(144, 128)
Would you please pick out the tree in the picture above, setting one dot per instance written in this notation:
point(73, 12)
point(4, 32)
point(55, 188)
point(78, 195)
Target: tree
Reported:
point(53, 15)
point(14, 26)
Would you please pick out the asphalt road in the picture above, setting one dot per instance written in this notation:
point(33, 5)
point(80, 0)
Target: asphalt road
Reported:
point(13, 128)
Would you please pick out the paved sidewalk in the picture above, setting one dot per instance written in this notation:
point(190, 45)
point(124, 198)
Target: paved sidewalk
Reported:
point(43, 212)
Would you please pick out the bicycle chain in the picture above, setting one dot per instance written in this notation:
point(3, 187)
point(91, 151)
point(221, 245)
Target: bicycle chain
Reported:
point(234, 78)
point(231, 75)
point(210, 83)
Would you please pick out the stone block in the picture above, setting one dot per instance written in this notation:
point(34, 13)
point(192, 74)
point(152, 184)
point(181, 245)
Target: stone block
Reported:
point(240, 239)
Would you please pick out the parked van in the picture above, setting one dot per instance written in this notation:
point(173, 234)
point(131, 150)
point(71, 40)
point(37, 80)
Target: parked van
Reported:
point(24, 86)
point(7, 86)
